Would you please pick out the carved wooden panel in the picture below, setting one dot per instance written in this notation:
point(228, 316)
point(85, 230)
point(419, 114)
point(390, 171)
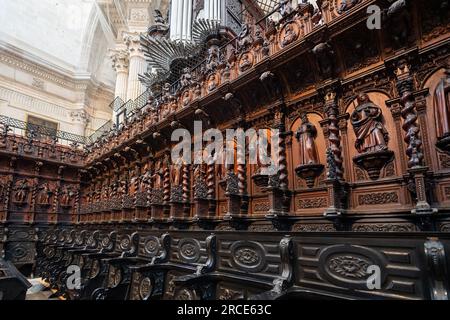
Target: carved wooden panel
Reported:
point(343, 263)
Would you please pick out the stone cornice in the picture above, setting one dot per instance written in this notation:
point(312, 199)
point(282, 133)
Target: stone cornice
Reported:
point(38, 67)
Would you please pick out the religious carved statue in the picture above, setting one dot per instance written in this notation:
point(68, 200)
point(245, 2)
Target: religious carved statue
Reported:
point(441, 105)
point(370, 132)
point(66, 196)
point(45, 194)
point(186, 78)
point(157, 177)
point(21, 191)
point(371, 137)
point(176, 174)
point(309, 168)
point(306, 135)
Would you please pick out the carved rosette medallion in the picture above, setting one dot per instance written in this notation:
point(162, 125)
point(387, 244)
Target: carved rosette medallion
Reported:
point(248, 256)
point(347, 265)
point(189, 250)
point(152, 246)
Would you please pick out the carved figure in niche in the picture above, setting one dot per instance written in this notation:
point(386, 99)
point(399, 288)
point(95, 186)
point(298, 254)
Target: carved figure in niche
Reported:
point(347, 5)
point(306, 135)
point(285, 8)
point(66, 196)
point(245, 62)
point(157, 177)
point(370, 132)
point(186, 78)
point(176, 173)
point(289, 35)
point(21, 191)
point(245, 39)
point(309, 168)
point(45, 194)
point(371, 137)
point(441, 104)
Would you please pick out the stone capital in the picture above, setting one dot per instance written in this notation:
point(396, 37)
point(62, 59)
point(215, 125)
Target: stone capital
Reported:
point(79, 117)
point(120, 60)
point(133, 43)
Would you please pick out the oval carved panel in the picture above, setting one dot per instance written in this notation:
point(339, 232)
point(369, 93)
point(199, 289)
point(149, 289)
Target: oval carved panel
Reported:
point(145, 288)
point(248, 256)
point(346, 265)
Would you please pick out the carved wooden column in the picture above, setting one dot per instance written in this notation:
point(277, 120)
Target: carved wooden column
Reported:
point(335, 175)
point(278, 184)
point(7, 192)
point(56, 216)
point(412, 137)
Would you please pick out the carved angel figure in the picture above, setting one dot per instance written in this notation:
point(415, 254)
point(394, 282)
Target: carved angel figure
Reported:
point(367, 122)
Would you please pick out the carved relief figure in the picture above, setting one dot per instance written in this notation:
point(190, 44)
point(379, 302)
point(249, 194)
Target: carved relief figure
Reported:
point(289, 35)
point(186, 78)
point(441, 102)
point(245, 62)
point(45, 194)
point(176, 172)
point(157, 177)
point(66, 196)
point(21, 191)
point(367, 122)
point(306, 135)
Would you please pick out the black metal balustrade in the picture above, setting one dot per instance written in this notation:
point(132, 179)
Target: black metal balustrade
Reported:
point(38, 132)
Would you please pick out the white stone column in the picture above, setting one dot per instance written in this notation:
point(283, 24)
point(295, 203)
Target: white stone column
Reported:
point(120, 65)
point(138, 65)
point(181, 20)
point(213, 9)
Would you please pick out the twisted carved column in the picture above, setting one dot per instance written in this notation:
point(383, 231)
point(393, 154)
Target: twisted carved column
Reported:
point(332, 111)
point(405, 87)
point(407, 95)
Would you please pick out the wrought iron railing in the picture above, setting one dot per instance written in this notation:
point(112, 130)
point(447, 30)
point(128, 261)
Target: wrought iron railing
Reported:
point(116, 104)
point(100, 131)
point(39, 132)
